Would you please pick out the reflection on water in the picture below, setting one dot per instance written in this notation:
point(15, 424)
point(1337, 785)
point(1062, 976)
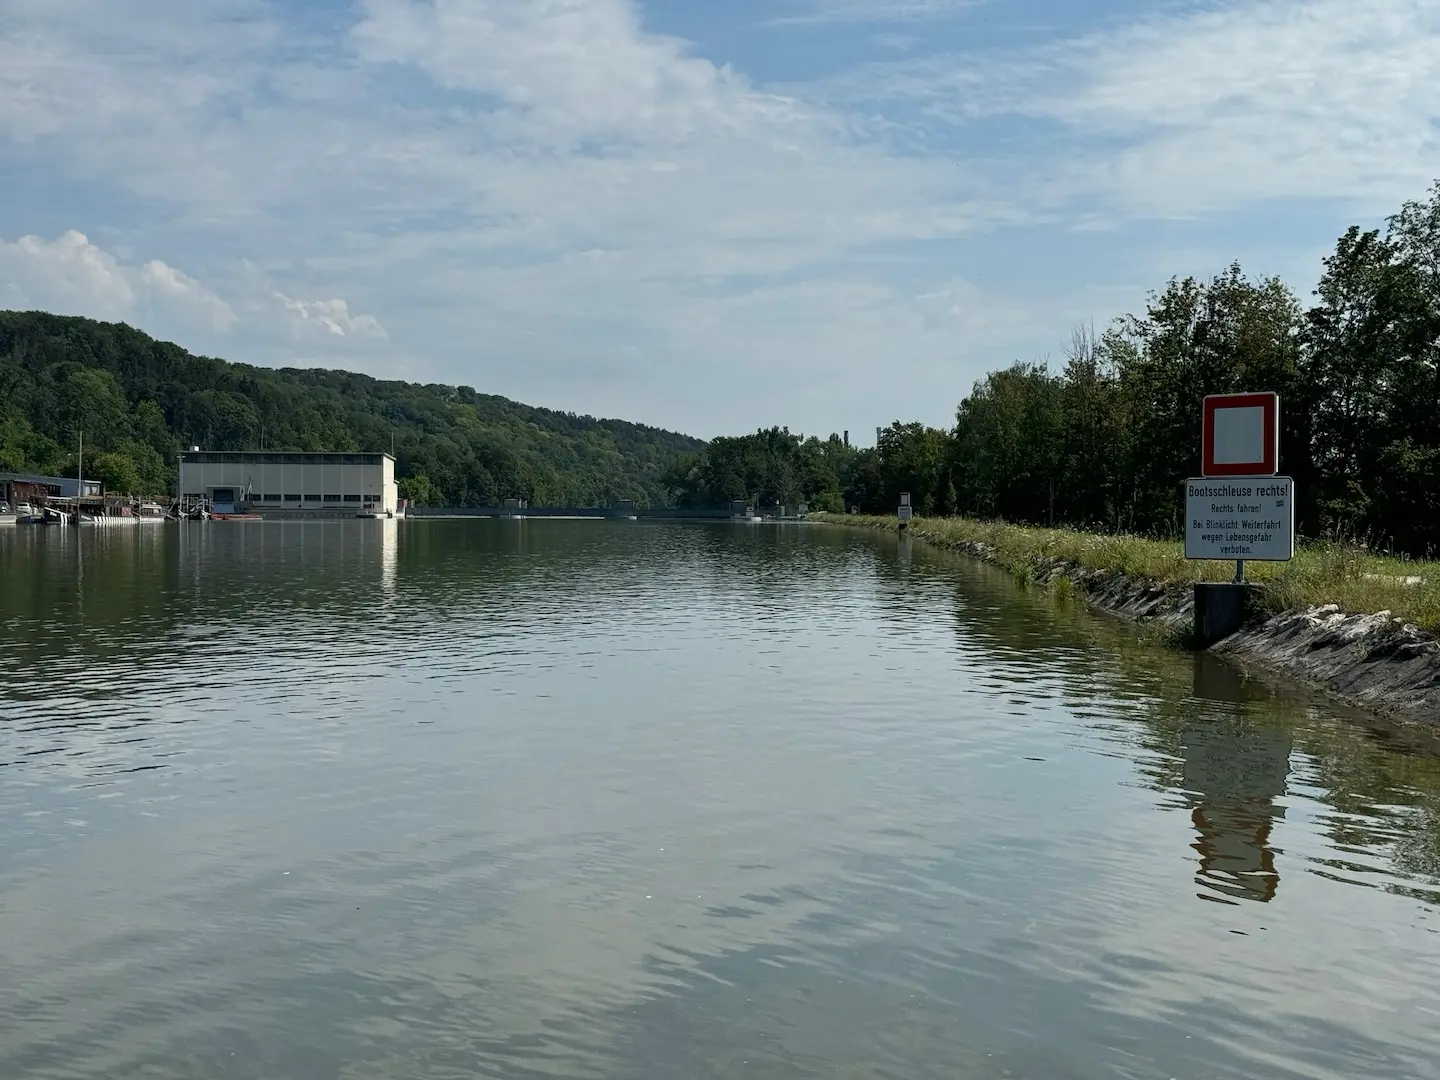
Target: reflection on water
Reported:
point(1234, 770)
point(542, 798)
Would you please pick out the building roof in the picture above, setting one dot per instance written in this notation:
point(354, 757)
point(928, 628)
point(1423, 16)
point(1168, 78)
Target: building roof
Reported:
point(47, 481)
point(280, 457)
point(59, 483)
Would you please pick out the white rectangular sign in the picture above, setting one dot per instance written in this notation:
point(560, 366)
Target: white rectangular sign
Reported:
point(904, 513)
point(1240, 517)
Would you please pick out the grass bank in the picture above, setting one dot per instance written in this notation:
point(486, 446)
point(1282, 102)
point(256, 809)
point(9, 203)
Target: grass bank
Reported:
point(1356, 581)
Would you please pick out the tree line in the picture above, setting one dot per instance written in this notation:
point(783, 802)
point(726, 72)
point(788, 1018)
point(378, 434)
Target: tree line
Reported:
point(1104, 440)
point(138, 401)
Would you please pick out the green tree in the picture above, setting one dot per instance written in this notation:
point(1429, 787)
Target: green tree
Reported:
point(93, 405)
point(419, 490)
point(117, 472)
point(767, 468)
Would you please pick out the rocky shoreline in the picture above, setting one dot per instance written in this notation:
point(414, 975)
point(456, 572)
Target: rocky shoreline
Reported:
point(1374, 662)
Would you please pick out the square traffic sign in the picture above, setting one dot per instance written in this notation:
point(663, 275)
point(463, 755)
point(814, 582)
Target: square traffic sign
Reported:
point(1240, 435)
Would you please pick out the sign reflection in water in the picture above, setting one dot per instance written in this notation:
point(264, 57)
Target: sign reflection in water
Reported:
point(1234, 771)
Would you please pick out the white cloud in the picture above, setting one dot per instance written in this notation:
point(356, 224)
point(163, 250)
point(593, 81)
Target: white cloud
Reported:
point(175, 287)
point(1201, 111)
point(562, 69)
point(333, 316)
point(546, 198)
point(71, 274)
point(841, 12)
point(1267, 100)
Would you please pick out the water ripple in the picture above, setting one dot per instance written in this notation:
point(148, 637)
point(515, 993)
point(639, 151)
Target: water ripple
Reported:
point(525, 799)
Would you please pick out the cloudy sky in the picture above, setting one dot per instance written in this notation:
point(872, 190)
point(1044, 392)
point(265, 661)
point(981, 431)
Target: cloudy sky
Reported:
point(705, 215)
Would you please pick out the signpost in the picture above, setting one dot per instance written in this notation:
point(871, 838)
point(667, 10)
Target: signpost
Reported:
point(1238, 508)
point(904, 510)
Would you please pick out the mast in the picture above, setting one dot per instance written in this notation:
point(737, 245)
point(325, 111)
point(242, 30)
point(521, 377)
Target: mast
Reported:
point(79, 477)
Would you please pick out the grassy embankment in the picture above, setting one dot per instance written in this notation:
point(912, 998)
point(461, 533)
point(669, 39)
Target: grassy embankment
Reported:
point(1321, 573)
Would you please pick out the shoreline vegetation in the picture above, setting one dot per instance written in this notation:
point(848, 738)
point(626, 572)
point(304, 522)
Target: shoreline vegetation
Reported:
point(1356, 581)
point(1361, 626)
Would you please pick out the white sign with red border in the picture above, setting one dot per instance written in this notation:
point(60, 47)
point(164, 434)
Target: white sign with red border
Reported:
point(1240, 435)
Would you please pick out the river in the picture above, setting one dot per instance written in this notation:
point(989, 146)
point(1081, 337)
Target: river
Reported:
point(629, 800)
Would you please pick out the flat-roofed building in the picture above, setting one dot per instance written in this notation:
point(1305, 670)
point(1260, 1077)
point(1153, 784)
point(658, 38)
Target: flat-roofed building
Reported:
point(23, 487)
point(285, 484)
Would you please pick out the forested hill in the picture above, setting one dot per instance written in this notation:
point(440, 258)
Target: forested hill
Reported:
point(138, 401)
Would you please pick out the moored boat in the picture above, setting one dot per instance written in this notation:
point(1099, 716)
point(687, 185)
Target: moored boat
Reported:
point(37, 515)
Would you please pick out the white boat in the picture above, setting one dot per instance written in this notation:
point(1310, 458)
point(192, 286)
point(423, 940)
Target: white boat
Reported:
point(7, 516)
point(149, 513)
point(25, 514)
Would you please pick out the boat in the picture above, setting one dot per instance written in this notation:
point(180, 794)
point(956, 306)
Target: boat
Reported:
point(236, 517)
point(7, 516)
point(150, 513)
point(38, 515)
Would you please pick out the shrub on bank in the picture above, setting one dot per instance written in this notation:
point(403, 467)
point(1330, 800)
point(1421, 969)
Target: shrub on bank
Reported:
point(1355, 580)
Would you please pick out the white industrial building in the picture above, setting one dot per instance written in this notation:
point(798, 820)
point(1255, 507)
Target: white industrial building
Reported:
point(290, 485)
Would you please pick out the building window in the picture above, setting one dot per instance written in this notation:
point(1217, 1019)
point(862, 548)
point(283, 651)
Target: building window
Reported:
point(332, 498)
point(352, 498)
point(372, 498)
point(269, 498)
point(294, 498)
point(312, 498)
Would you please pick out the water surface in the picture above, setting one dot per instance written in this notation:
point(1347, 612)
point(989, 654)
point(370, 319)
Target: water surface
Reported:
point(630, 799)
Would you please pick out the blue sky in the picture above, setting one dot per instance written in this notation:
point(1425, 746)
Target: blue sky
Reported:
point(708, 216)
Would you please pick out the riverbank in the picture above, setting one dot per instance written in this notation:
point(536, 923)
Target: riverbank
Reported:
point(1360, 626)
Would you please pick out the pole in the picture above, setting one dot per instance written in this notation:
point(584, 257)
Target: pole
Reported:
point(79, 477)
point(1239, 571)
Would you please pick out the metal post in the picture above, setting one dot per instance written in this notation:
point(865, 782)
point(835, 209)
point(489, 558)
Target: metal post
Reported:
point(1239, 571)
